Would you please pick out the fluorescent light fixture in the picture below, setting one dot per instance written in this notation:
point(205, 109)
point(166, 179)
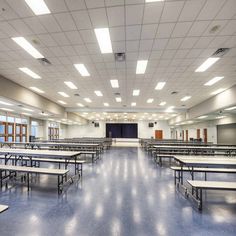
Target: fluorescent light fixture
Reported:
point(62, 102)
point(6, 103)
point(87, 100)
point(213, 81)
point(37, 90)
point(202, 117)
point(150, 100)
point(104, 40)
point(162, 103)
point(38, 7)
point(82, 69)
point(106, 104)
point(218, 91)
point(136, 92)
point(6, 109)
point(114, 83)
point(29, 72)
point(70, 85)
point(21, 41)
point(220, 117)
point(118, 99)
point(98, 93)
point(185, 98)
point(63, 94)
point(133, 104)
point(26, 114)
point(27, 109)
point(208, 63)
point(80, 105)
point(170, 109)
point(230, 108)
point(160, 85)
point(141, 66)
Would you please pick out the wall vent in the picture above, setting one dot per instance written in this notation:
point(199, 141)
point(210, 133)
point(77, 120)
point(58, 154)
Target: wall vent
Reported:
point(120, 56)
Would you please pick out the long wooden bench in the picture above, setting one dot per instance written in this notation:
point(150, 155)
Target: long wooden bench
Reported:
point(61, 174)
point(198, 186)
point(3, 208)
point(177, 169)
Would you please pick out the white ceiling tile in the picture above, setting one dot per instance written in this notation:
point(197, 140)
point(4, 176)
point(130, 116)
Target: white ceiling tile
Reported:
point(57, 51)
point(168, 54)
point(93, 48)
point(20, 7)
point(181, 29)
point(171, 11)
point(198, 28)
point(82, 19)
point(227, 11)
point(65, 21)
point(88, 36)
point(47, 40)
point(117, 33)
point(214, 23)
point(165, 30)
point(133, 32)
point(229, 29)
point(8, 29)
point(174, 43)
point(149, 31)
point(74, 37)
point(118, 46)
point(188, 42)
point(75, 5)
point(49, 22)
point(145, 45)
point(134, 14)
point(95, 4)
point(116, 16)
point(160, 44)
point(81, 49)
point(203, 42)
point(98, 17)
point(68, 50)
point(132, 46)
point(60, 38)
point(210, 9)
point(218, 42)
point(56, 5)
point(156, 55)
point(191, 10)
point(8, 14)
point(21, 27)
point(152, 12)
point(35, 25)
point(114, 2)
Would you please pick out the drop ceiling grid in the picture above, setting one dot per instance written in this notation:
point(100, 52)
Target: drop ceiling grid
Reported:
point(54, 34)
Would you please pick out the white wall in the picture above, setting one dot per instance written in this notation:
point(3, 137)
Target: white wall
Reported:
point(143, 130)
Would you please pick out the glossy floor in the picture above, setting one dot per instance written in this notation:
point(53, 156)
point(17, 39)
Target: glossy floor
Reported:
point(125, 193)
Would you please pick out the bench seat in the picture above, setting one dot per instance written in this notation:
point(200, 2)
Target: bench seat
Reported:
point(61, 173)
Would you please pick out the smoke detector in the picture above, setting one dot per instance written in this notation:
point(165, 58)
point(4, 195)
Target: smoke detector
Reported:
point(119, 56)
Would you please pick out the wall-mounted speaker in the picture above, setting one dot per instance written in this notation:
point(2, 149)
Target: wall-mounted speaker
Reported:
point(96, 125)
point(150, 125)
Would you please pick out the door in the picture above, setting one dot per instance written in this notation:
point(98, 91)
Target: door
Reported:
point(183, 135)
point(158, 134)
point(198, 133)
point(186, 131)
point(205, 135)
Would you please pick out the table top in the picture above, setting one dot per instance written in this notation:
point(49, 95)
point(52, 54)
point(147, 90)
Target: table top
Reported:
point(194, 147)
point(51, 144)
point(35, 152)
point(206, 161)
point(213, 184)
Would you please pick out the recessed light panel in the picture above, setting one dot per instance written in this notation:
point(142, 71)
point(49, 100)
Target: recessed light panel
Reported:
point(37, 90)
point(160, 85)
point(208, 63)
point(104, 40)
point(21, 41)
point(70, 85)
point(6, 103)
point(150, 100)
point(185, 98)
point(63, 94)
point(82, 69)
point(213, 81)
point(136, 92)
point(29, 73)
point(141, 66)
point(98, 93)
point(114, 83)
point(87, 100)
point(38, 7)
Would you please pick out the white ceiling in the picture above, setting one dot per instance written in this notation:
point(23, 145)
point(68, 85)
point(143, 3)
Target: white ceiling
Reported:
point(173, 35)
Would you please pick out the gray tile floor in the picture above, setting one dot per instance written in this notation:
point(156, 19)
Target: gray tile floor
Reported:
point(125, 193)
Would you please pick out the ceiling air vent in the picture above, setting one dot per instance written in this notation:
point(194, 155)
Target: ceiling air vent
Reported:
point(44, 62)
point(117, 94)
point(220, 52)
point(174, 93)
point(76, 94)
point(120, 56)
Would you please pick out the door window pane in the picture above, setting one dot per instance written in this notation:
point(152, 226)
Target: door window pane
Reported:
point(10, 129)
